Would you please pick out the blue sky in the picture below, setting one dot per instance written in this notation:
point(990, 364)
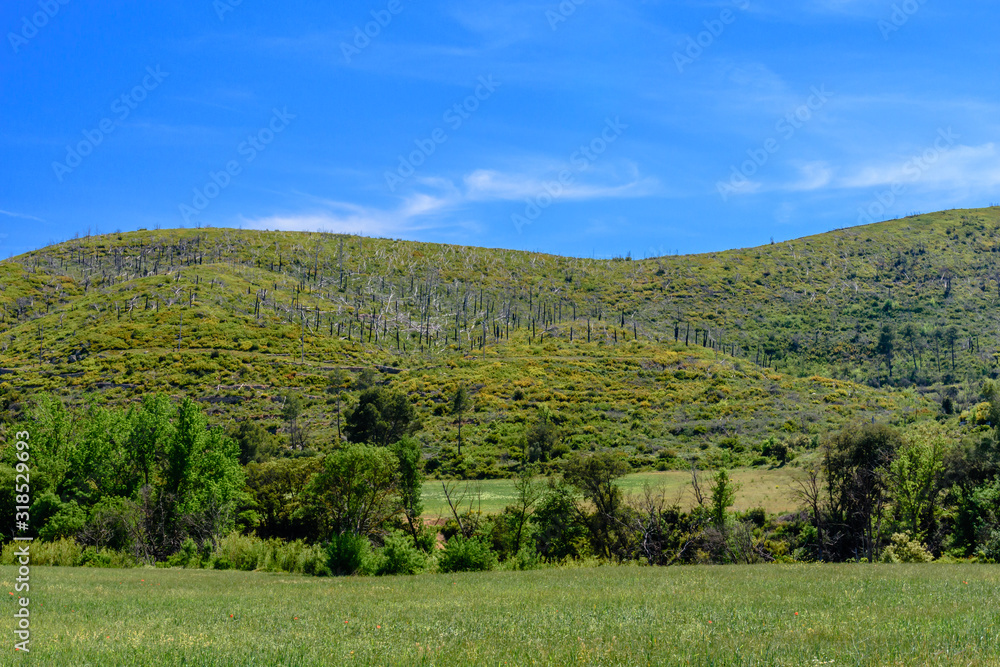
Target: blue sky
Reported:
point(588, 128)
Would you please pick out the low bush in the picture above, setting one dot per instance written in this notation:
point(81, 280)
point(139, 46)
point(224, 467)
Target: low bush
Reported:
point(906, 550)
point(400, 555)
point(67, 552)
point(466, 555)
point(348, 554)
point(94, 557)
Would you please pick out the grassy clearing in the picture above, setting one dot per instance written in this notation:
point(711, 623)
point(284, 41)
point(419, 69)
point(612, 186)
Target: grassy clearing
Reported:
point(773, 489)
point(769, 615)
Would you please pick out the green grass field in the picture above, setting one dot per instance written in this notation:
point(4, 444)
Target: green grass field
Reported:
point(772, 489)
point(767, 615)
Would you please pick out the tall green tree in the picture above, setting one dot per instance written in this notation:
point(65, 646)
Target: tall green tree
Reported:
point(150, 431)
point(291, 412)
point(915, 486)
point(857, 463)
point(541, 438)
point(335, 386)
point(381, 417)
point(595, 475)
point(886, 346)
point(357, 490)
point(950, 338)
point(911, 335)
point(410, 481)
point(99, 460)
point(459, 404)
point(722, 494)
point(278, 494)
point(255, 443)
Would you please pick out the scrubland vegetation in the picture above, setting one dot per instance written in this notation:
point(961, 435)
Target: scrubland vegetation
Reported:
point(155, 485)
point(661, 359)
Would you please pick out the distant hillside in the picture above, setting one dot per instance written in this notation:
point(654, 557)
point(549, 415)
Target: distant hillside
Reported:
point(703, 355)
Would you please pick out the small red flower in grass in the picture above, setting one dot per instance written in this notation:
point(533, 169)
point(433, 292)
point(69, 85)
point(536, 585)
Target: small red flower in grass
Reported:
point(12, 592)
point(378, 627)
point(710, 622)
point(230, 616)
point(796, 613)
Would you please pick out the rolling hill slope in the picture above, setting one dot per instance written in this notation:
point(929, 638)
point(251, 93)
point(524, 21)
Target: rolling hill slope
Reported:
point(705, 355)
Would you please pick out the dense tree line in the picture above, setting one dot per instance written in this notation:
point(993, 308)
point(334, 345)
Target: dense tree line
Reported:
point(157, 483)
point(142, 479)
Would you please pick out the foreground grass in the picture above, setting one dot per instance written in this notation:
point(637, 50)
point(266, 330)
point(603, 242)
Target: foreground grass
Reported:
point(770, 615)
point(770, 488)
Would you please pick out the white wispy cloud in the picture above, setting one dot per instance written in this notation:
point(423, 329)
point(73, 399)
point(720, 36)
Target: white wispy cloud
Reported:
point(813, 176)
point(490, 185)
point(438, 197)
point(20, 215)
point(349, 218)
point(973, 167)
point(968, 169)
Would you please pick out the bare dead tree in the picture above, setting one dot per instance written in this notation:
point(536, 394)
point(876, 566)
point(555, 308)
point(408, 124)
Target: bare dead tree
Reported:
point(699, 494)
point(809, 491)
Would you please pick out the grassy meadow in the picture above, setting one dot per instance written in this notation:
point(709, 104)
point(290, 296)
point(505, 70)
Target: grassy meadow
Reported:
point(770, 488)
point(699, 615)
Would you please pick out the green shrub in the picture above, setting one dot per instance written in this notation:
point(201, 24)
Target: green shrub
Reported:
point(186, 557)
point(313, 561)
point(905, 550)
point(62, 553)
point(239, 552)
point(347, 554)
point(115, 523)
point(68, 521)
point(284, 557)
point(527, 558)
point(989, 551)
point(66, 552)
point(466, 555)
point(427, 539)
point(94, 557)
point(400, 555)
point(757, 516)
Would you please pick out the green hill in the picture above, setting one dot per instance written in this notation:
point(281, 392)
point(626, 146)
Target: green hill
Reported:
point(667, 358)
